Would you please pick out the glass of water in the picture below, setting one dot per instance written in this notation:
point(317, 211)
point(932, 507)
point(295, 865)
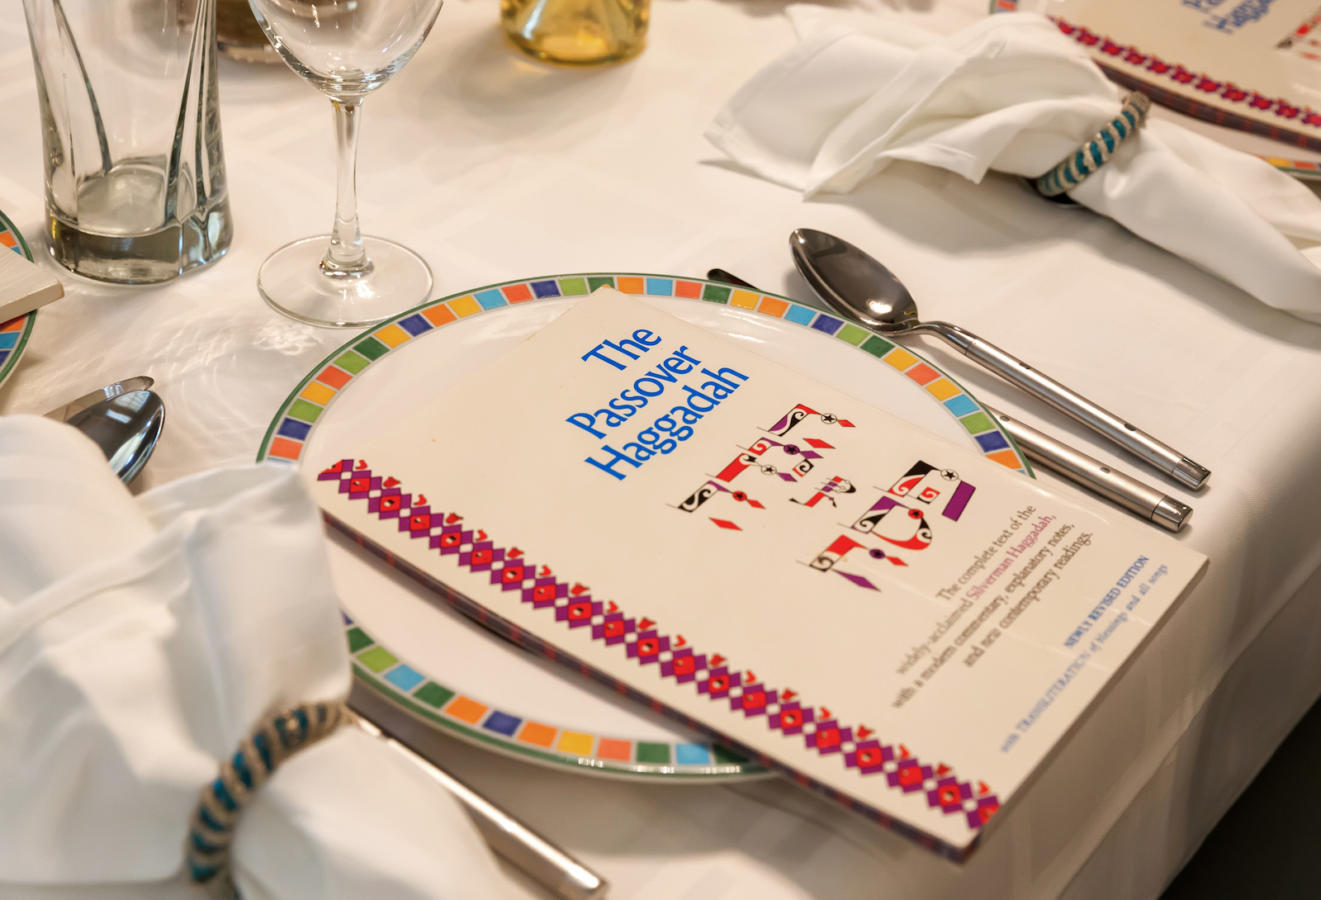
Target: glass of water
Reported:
point(346, 49)
point(134, 174)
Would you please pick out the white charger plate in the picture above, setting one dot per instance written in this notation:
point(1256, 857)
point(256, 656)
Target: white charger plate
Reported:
point(439, 665)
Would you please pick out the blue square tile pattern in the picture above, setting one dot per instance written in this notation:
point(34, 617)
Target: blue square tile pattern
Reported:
point(801, 315)
point(992, 441)
point(692, 754)
point(414, 324)
point(292, 428)
point(502, 723)
point(491, 299)
point(828, 324)
point(961, 405)
point(404, 678)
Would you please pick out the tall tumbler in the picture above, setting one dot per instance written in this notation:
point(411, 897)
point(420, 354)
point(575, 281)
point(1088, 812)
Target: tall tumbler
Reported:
point(135, 178)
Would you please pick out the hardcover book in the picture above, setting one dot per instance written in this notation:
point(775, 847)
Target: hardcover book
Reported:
point(888, 617)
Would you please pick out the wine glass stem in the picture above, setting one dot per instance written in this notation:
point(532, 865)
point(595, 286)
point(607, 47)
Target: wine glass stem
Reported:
point(346, 257)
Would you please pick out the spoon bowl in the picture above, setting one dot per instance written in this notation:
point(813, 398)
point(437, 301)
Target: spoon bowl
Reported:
point(126, 428)
point(853, 283)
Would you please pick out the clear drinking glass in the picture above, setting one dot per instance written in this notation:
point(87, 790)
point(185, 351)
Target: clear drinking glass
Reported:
point(134, 175)
point(346, 49)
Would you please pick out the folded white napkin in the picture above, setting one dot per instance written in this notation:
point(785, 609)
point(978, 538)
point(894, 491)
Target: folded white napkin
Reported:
point(140, 641)
point(1012, 94)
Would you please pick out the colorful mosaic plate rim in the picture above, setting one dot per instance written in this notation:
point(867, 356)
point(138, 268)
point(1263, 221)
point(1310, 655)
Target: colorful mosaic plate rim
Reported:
point(1301, 169)
point(472, 719)
point(14, 334)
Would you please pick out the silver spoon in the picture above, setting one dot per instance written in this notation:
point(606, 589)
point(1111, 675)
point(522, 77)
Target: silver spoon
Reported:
point(125, 427)
point(860, 288)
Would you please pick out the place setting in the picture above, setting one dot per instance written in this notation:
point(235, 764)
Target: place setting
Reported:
point(656, 534)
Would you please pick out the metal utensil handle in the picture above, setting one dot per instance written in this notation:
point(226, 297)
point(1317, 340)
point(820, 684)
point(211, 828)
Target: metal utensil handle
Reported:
point(1092, 474)
point(546, 863)
point(1130, 437)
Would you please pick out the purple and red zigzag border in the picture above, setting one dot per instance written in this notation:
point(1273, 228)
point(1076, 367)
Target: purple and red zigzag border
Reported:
point(1130, 67)
point(1225, 90)
point(640, 640)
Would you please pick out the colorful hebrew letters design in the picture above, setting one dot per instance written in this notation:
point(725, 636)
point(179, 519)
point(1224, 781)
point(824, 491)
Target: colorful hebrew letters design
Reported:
point(827, 560)
point(829, 491)
point(709, 489)
point(891, 521)
point(896, 524)
point(783, 462)
point(927, 484)
point(888, 519)
point(790, 420)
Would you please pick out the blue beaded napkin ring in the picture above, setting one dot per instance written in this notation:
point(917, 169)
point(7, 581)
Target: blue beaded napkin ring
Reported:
point(276, 738)
point(1079, 165)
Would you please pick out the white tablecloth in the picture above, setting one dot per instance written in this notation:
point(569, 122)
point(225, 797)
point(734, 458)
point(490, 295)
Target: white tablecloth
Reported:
point(495, 167)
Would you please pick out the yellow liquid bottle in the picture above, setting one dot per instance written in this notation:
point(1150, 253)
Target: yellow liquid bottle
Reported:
point(577, 32)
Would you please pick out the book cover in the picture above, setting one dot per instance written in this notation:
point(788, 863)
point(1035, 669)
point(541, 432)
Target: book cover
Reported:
point(1249, 65)
point(891, 618)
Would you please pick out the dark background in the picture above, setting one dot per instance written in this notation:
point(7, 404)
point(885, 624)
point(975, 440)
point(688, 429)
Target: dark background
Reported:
point(1269, 843)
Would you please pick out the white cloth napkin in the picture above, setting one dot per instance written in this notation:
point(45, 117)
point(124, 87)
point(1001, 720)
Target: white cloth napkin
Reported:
point(140, 640)
point(1012, 94)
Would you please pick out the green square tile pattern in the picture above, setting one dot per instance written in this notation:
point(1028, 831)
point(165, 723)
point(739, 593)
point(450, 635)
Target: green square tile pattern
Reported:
point(877, 347)
point(378, 659)
point(570, 287)
point(652, 753)
point(358, 639)
point(351, 362)
point(977, 423)
point(371, 348)
point(852, 334)
point(715, 293)
point(433, 694)
point(304, 411)
point(600, 282)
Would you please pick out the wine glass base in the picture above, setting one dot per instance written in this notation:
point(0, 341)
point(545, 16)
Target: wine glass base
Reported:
point(291, 280)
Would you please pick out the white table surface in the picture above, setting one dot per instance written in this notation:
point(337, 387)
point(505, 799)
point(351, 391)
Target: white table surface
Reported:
point(496, 167)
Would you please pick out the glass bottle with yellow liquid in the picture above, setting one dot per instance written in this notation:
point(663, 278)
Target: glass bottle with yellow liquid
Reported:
point(577, 32)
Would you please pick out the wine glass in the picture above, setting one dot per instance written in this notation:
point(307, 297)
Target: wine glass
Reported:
point(345, 48)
